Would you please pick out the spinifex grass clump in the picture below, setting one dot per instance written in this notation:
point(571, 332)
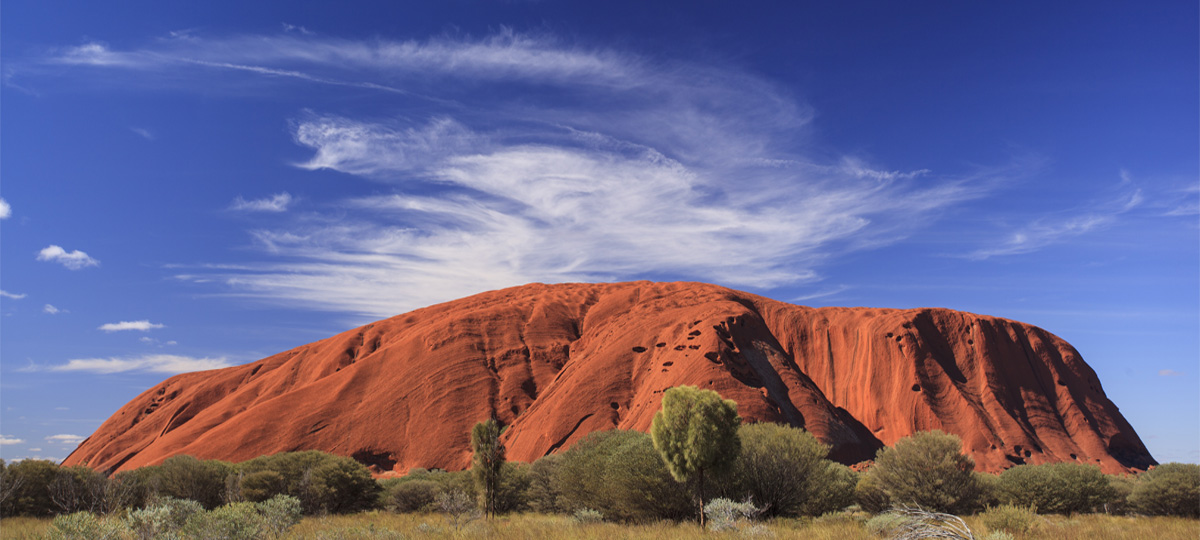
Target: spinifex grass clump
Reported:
point(919, 524)
point(1010, 518)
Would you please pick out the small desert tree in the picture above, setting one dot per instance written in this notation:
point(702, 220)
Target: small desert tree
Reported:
point(487, 463)
point(696, 433)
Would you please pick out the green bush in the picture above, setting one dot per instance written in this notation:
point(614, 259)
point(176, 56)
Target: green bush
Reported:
point(883, 524)
point(869, 496)
point(321, 481)
point(622, 475)
point(412, 496)
point(78, 489)
point(780, 467)
point(86, 526)
point(542, 496)
point(185, 477)
point(279, 514)
point(153, 523)
point(1171, 489)
point(31, 496)
point(1122, 487)
point(927, 469)
point(511, 494)
point(261, 485)
point(834, 489)
point(1055, 488)
point(164, 519)
point(234, 521)
point(1009, 518)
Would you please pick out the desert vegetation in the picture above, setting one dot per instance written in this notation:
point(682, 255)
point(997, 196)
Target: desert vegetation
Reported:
point(699, 462)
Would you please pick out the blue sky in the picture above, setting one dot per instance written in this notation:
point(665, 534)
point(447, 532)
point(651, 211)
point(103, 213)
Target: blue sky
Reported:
point(194, 185)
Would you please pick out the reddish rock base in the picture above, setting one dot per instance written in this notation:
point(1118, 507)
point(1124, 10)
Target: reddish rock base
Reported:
point(556, 362)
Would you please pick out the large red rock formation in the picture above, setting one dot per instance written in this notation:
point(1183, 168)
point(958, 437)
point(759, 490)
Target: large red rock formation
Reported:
point(556, 362)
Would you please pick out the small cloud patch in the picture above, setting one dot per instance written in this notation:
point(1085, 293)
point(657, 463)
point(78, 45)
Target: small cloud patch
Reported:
point(151, 363)
point(141, 326)
point(72, 260)
point(66, 439)
point(278, 202)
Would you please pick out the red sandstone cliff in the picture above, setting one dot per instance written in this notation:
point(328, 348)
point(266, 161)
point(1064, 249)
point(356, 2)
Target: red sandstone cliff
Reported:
point(559, 361)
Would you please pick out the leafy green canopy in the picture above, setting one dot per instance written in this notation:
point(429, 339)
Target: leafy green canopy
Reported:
point(696, 432)
point(1171, 489)
point(1055, 488)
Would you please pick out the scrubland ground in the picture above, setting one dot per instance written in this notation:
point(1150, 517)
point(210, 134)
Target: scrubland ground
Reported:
point(378, 525)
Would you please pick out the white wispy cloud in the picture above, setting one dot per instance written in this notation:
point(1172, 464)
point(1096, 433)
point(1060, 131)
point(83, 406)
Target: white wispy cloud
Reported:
point(278, 202)
point(35, 449)
point(66, 439)
point(6, 440)
point(1049, 231)
point(626, 166)
point(141, 326)
point(14, 296)
point(151, 363)
point(51, 309)
point(143, 133)
point(73, 260)
point(5, 209)
point(295, 28)
point(1169, 373)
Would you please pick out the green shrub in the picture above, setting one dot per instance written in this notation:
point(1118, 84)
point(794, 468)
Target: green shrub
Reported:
point(31, 496)
point(234, 521)
point(834, 489)
point(780, 467)
point(78, 489)
point(1122, 487)
point(179, 511)
point(622, 475)
point(883, 524)
point(1171, 489)
point(542, 496)
point(1009, 518)
point(511, 493)
point(185, 477)
point(261, 485)
point(927, 469)
point(1055, 488)
point(321, 481)
point(153, 523)
point(412, 496)
point(86, 526)
point(869, 496)
point(279, 514)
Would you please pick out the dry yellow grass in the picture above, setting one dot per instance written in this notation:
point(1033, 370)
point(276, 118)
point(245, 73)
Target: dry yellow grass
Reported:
point(534, 526)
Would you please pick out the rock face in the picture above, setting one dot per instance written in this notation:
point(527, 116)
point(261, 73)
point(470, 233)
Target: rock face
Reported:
point(556, 362)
